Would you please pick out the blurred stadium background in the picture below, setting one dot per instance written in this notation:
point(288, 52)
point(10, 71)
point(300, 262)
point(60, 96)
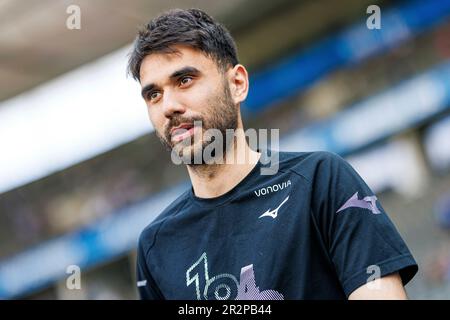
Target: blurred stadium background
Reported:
point(82, 173)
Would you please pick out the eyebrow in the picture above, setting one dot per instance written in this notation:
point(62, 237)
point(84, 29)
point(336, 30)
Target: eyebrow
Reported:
point(175, 75)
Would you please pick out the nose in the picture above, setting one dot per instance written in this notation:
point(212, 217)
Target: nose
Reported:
point(171, 105)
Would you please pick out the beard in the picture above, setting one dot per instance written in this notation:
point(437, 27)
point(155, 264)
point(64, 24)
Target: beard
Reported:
point(221, 114)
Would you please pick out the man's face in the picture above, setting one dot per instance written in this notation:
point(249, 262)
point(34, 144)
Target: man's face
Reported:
point(182, 88)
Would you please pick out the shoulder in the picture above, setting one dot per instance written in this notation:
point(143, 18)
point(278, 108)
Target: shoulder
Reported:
point(309, 164)
point(148, 235)
point(294, 159)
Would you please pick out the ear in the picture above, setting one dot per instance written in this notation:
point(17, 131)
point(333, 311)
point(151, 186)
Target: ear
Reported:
point(238, 79)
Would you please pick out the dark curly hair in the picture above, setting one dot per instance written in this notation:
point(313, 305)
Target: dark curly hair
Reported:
point(193, 28)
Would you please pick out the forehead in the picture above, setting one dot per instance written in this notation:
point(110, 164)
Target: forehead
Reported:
point(158, 67)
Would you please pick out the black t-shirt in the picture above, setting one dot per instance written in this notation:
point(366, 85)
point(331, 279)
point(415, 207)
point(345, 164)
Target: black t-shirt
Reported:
point(314, 230)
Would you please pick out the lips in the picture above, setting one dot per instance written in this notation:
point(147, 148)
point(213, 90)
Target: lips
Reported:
point(182, 131)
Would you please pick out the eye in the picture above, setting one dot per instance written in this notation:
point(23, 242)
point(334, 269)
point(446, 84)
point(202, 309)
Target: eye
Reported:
point(152, 96)
point(185, 80)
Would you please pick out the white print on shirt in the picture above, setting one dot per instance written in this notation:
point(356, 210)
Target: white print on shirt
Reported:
point(272, 188)
point(225, 286)
point(273, 213)
point(142, 283)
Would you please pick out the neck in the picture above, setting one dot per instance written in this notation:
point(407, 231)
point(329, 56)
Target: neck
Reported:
point(213, 180)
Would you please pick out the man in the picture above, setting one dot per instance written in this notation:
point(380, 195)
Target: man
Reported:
point(312, 230)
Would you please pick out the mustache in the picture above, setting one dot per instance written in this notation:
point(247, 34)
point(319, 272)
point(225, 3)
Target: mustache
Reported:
point(176, 121)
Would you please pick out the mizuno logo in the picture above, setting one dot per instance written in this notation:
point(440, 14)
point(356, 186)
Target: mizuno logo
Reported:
point(272, 188)
point(273, 213)
point(368, 202)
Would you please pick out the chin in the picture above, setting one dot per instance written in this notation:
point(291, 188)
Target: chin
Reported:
point(189, 154)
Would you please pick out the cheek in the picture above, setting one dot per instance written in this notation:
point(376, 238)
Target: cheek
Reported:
point(156, 120)
point(200, 98)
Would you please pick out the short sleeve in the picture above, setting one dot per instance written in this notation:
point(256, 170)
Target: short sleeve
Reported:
point(356, 230)
point(146, 285)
